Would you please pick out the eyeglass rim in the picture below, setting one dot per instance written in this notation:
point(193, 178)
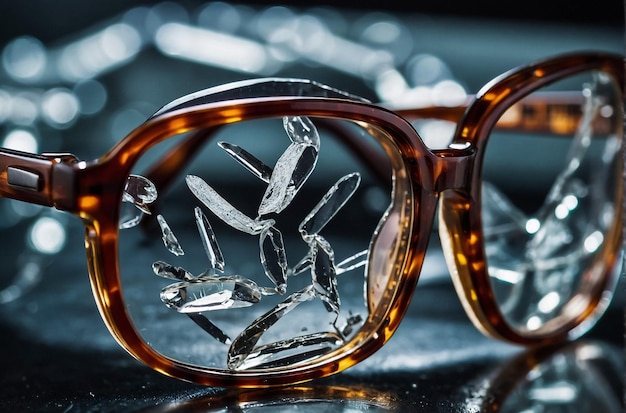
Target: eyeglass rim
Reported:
point(473, 286)
point(105, 275)
point(93, 200)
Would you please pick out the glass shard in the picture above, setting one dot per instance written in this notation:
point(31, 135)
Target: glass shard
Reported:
point(208, 326)
point(504, 229)
point(212, 249)
point(293, 167)
point(165, 270)
point(244, 344)
point(304, 264)
point(269, 291)
point(290, 360)
point(130, 216)
point(210, 293)
point(290, 351)
point(273, 257)
point(324, 275)
point(354, 261)
point(223, 209)
point(291, 171)
point(329, 205)
point(169, 239)
point(557, 234)
point(301, 129)
point(345, 326)
point(249, 161)
point(138, 193)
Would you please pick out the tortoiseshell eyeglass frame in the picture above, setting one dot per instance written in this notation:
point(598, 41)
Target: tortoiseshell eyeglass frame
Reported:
point(451, 177)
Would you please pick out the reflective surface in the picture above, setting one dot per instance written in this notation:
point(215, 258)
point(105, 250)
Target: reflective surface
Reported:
point(436, 361)
point(69, 92)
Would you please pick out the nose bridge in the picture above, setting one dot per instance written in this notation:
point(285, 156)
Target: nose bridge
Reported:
point(453, 168)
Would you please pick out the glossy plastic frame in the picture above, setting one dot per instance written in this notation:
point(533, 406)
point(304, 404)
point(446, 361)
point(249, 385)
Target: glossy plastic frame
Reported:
point(452, 176)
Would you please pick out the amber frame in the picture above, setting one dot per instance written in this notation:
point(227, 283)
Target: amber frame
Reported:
point(92, 190)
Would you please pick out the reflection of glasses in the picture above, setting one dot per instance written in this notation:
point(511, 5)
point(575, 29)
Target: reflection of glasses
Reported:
point(294, 257)
point(582, 376)
point(281, 399)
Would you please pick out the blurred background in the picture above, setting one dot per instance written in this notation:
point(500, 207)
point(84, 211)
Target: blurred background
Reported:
point(78, 76)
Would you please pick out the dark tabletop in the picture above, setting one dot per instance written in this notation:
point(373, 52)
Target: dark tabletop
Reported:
point(56, 355)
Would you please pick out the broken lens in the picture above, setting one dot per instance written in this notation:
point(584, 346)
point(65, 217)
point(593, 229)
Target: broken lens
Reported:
point(257, 253)
point(550, 199)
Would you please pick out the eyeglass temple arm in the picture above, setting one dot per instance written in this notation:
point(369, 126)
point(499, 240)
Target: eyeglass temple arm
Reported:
point(558, 113)
point(45, 179)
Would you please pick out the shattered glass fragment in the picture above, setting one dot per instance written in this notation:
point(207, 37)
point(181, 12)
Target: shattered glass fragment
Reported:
point(211, 247)
point(273, 257)
point(301, 129)
point(504, 229)
point(130, 216)
point(354, 261)
point(208, 326)
point(324, 275)
point(169, 239)
point(269, 291)
point(138, 193)
point(554, 239)
point(304, 264)
point(345, 326)
point(165, 270)
point(210, 293)
point(500, 214)
point(244, 344)
point(301, 172)
point(293, 167)
point(223, 209)
point(287, 350)
point(291, 171)
point(249, 161)
point(288, 360)
point(329, 205)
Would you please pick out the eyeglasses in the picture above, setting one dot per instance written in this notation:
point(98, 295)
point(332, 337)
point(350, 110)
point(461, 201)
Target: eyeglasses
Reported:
point(272, 231)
